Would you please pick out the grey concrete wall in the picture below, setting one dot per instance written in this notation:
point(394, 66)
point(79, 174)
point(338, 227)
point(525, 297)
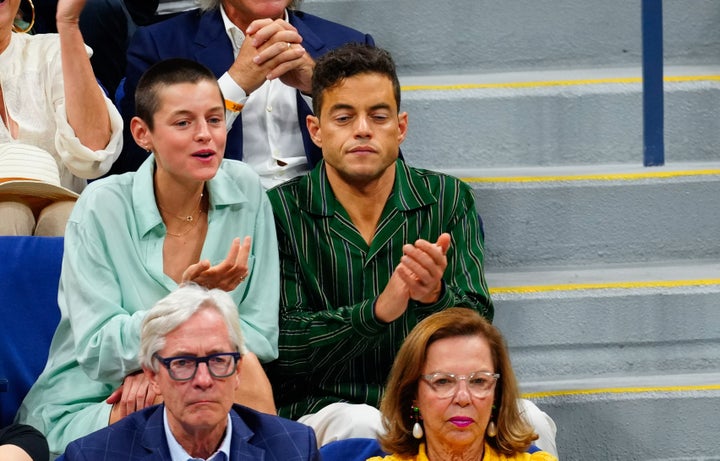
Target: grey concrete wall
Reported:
point(570, 335)
point(655, 426)
point(428, 36)
point(599, 222)
point(556, 125)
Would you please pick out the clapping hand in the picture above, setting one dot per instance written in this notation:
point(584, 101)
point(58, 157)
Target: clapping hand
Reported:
point(418, 277)
point(422, 267)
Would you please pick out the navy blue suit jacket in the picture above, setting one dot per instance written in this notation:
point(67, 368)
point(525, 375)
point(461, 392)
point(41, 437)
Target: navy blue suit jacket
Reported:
point(141, 437)
point(202, 38)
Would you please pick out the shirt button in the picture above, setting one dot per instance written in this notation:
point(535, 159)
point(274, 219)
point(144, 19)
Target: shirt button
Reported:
point(268, 108)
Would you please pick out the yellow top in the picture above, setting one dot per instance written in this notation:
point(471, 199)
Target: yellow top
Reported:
point(490, 455)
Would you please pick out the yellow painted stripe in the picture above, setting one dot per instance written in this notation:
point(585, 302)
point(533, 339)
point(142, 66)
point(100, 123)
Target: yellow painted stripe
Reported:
point(594, 177)
point(603, 286)
point(621, 390)
point(549, 83)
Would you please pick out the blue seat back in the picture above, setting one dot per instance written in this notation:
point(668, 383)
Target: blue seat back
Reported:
point(356, 449)
point(29, 314)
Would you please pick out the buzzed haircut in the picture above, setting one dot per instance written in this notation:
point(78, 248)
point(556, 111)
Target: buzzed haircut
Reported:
point(165, 73)
point(347, 61)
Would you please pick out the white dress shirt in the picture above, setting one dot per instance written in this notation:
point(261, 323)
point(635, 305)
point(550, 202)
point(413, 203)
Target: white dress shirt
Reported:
point(272, 140)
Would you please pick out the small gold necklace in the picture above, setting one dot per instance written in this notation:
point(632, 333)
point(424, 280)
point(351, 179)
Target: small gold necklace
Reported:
point(192, 225)
point(190, 219)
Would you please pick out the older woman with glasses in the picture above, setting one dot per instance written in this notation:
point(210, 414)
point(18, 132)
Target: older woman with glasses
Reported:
point(452, 394)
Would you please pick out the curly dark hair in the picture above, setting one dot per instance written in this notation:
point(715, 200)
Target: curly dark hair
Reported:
point(347, 61)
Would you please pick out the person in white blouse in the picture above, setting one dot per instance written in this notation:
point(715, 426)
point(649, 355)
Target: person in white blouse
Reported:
point(49, 99)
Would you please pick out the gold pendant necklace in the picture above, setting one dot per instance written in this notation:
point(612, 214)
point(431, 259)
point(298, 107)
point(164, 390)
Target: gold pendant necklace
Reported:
point(190, 219)
point(192, 223)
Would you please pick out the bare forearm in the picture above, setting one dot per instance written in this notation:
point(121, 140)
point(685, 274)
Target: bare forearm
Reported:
point(85, 105)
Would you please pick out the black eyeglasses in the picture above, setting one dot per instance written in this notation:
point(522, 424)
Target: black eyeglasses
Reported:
point(184, 367)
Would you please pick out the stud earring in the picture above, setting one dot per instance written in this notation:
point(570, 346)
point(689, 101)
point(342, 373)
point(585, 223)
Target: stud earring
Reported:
point(417, 430)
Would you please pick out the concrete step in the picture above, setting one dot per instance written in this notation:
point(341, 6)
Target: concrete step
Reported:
point(556, 117)
point(625, 358)
point(602, 214)
point(664, 417)
point(427, 36)
point(614, 321)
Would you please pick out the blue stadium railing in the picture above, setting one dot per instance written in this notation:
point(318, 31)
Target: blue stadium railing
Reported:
point(653, 99)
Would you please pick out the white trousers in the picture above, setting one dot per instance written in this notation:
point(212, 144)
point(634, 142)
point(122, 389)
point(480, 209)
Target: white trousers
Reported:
point(16, 218)
point(339, 421)
point(542, 423)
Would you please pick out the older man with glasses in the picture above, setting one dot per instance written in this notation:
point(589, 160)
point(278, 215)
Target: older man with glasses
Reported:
point(191, 347)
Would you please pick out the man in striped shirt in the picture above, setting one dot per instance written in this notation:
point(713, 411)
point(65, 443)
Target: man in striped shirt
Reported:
point(368, 248)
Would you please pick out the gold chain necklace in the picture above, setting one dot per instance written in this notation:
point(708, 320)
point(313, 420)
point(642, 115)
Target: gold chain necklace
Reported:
point(187, 219)
point(193, 223)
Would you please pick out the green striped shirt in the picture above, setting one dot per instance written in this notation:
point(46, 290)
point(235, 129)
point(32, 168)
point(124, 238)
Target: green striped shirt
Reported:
point(331, 347)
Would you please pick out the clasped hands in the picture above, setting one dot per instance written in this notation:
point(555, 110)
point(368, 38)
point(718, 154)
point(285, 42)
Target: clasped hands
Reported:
point(418, 276)
point(272, 49)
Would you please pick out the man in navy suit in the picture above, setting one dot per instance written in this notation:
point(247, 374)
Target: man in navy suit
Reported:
point(190, 348)
point(263, 53)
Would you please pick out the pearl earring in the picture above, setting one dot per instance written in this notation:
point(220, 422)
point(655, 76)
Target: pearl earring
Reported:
point(491, 430)
point(417, 430)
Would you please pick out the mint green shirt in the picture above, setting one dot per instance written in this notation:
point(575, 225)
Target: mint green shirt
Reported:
point(112, 272)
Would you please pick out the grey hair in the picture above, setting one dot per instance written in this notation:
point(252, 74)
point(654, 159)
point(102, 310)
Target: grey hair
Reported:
point(207, 5)
point(176, 308)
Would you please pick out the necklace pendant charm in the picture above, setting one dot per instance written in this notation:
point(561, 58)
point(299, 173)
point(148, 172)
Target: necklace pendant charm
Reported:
point(189, 218)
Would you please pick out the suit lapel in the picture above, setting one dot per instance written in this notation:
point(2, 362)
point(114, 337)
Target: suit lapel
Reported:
point(241, 447)
point(153, 437)
point(212, 45)
point(313, 44)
